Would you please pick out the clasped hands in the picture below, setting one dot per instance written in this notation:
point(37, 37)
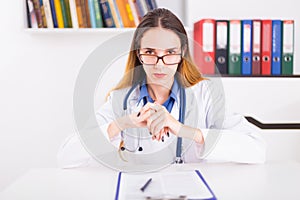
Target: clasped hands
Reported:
point(157, 119)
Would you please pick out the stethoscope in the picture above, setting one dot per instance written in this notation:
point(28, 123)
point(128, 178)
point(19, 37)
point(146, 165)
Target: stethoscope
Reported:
point(182, 106)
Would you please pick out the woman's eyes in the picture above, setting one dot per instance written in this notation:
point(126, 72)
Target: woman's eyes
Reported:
point(171, 52)
point(149, 52)
point(153, 52)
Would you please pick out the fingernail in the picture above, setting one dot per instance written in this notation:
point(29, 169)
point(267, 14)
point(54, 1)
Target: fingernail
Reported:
point(168, 134)
point(138, 114)
point(162, 139)
point(150, 133)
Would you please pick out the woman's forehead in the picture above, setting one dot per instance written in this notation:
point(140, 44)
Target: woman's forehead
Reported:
point(160, 38)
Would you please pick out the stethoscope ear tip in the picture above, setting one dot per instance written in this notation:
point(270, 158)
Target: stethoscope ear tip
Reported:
point(140, 148)
point(122, 148)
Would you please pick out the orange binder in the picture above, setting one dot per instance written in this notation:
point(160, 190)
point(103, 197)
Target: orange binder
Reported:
point(266, 46)
point(256, 47)
point(204, 45)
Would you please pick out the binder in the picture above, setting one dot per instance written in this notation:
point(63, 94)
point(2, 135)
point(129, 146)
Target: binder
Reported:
point(276, 47)
point(234, 60)
point(247, 47)
point(221, 58)
point(266, 47)
point(287, 47)
point(204, 45)
point(256, 47)
point(129, 186)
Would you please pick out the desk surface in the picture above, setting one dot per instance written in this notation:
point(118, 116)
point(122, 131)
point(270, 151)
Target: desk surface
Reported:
point(272, 180)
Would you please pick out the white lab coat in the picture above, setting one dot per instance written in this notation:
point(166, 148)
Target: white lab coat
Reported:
point(237, 141)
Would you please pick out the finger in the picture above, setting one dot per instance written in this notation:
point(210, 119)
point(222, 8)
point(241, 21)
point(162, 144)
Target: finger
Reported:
point(157, 125)
point(161, 134)
point(145, 115)
point(154, 115)
point(146, 107)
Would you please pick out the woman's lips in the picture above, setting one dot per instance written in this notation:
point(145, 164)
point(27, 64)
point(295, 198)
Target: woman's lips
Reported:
point(158, 75)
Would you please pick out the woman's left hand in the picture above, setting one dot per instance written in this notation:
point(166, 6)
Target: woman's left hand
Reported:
point(159, 120)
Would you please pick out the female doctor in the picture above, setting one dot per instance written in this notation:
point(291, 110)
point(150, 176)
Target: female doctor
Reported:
point(168, 97)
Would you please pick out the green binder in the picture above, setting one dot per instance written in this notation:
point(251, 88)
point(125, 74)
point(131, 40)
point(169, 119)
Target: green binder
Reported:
point(287, 59)
point(234, 57)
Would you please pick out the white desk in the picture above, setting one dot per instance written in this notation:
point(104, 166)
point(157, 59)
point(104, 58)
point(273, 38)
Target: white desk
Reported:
point(227, 180)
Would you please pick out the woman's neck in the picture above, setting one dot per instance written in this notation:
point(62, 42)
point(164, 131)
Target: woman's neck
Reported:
point(159, 93)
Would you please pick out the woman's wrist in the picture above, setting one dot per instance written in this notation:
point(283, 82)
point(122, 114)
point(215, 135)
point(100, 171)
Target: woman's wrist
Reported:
point(191, 133)
point(117, 126)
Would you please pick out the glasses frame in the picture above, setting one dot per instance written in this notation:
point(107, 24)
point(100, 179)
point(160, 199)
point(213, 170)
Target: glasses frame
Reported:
point(159, 58)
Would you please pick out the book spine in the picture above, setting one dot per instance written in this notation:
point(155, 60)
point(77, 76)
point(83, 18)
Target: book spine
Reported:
point(92, 13)
point(88, 18)
point(53, 12)
point(59, 15)
point(99, 23)
point(64, 13)
point(68, 14)
point(44, 20)
point(73, 12)
point(32, 23)
point(48, 13)
point(114, 13)
point(37, 10)
point(118, 13)
point(106, 14)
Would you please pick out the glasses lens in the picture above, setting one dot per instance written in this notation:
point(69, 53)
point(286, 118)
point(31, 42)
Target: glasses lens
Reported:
point(172, 59)
point(149, 59)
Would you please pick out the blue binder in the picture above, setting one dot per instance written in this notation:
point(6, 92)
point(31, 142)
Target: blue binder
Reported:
point(276, 47)
point(213, 197)
point(246, 47)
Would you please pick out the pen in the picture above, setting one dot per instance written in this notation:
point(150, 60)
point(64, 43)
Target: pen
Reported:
point(146, 185)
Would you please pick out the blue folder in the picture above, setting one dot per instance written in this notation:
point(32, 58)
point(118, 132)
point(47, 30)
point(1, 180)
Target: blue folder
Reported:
point(246, 68)
point(276, 47)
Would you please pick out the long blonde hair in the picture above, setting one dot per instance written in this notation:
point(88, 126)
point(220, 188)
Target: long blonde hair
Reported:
point(189, 74)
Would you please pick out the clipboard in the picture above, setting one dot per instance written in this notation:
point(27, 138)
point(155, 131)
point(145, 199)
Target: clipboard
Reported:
point(128, 186)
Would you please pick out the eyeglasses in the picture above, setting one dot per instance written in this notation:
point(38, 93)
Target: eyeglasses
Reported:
point(169, 59)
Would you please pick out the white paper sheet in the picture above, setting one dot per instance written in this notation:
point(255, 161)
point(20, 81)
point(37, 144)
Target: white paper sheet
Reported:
point(163, 184)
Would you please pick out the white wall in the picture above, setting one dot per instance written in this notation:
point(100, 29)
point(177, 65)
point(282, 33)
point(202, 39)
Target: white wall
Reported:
point(37, 76)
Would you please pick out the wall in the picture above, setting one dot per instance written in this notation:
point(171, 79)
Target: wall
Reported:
point(37, 76)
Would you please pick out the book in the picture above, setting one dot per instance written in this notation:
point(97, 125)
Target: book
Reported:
point(106, 14)
point(44, 20)
point(38, 14)
point(126, 13)
point(48, 13)
point(53, 12)
point(73, 12)
point(59, 15)
point(32, 20)
point(99, 22)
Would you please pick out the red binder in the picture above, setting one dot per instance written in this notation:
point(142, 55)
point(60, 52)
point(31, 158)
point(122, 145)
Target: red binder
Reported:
point(266, 47)
point(204, 45)
point(256, 47)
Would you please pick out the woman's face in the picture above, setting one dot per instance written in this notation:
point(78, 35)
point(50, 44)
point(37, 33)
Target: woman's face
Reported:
point(160, 42)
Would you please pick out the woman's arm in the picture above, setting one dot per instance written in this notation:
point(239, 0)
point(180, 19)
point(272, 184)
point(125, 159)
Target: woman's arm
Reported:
point(227, 136)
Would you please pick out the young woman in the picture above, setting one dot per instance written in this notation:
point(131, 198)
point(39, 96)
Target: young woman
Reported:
point(163, 102)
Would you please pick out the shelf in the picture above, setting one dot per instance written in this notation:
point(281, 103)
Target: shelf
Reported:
point(84, 30)
point(252, 76)
point(77, 30)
